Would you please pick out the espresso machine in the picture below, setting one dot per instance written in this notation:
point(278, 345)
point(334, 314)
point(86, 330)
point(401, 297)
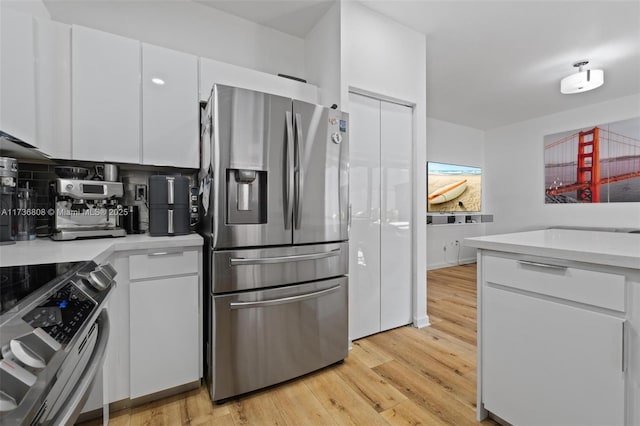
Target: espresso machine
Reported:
point(8, 180)
point(86, 209)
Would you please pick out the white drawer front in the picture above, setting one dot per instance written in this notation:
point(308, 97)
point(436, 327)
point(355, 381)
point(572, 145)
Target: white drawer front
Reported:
point(590, 287)
point(162, 263)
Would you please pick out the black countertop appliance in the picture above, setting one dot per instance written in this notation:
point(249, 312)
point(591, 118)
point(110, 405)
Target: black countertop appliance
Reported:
point(169, 205)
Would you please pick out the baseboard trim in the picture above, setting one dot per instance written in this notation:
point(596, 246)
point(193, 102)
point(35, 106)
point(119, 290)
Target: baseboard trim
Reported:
point(421, 322)
point(447, 265)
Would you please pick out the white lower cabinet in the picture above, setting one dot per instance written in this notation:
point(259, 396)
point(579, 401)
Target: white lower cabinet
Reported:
point(155, 315)
point(554, 342)
point(165, 339)
point(164, 335)
point(548, 362)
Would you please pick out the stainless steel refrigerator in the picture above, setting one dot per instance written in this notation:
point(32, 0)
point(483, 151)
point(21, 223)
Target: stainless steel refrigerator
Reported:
point(275, 178)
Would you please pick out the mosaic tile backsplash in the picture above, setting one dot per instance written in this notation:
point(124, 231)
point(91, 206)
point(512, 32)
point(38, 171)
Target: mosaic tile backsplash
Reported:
point(39, 176)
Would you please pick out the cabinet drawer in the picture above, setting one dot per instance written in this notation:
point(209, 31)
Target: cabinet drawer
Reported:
point(590, 287)
point(162, 263)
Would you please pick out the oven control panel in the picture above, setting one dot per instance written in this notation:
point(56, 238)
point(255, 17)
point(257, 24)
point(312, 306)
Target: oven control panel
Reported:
point(62, 314)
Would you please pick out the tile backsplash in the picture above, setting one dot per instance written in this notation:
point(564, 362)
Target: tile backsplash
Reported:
point(39, 176)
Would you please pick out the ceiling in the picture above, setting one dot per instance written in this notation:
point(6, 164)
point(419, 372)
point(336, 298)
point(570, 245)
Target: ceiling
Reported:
point(492, 63)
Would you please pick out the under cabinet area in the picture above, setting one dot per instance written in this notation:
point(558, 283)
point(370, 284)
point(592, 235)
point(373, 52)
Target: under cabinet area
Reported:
point(554, 341)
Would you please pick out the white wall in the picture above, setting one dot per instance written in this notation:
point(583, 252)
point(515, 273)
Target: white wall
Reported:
point(322, 56)
point(514, 172)
point(387, 59)
point(190, 27)
point(452, 143)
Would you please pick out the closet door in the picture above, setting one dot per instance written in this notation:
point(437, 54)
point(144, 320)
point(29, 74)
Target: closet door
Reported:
point(396, 135)
point(364, 197)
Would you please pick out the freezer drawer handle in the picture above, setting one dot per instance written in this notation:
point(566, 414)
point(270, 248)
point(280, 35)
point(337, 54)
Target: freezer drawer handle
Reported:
point(542, 265)
point(292, 299)
point(236, 261)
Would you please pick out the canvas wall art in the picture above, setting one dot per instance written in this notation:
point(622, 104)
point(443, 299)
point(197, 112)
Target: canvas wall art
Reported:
point(595, 164)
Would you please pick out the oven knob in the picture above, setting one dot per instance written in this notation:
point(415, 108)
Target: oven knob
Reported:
point(25, 355)
point(69, 186)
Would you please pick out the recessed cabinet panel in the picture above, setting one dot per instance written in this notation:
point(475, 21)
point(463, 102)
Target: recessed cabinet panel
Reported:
point(17, 76)
point(165, 339)
point(170, 108)
point(364, 197)
point(105, 96)
point(396, 129)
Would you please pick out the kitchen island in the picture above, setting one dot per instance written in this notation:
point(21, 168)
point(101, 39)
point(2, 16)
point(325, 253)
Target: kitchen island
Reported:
point(559, 327)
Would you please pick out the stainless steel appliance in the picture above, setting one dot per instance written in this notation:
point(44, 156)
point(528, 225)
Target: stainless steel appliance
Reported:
point(53, 336)
point(85, 209)
point(274, 217)
point(169, 212)
point(8, 183)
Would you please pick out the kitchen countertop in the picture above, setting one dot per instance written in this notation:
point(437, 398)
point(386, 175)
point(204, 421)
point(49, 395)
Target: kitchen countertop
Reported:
point(45, 250)
point(603, 248)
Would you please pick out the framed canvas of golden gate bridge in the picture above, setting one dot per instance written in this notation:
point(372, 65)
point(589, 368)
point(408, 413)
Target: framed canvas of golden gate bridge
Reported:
point(598, 164)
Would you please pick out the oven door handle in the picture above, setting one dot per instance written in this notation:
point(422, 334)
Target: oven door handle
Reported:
point(70, 411)
point(282, 301)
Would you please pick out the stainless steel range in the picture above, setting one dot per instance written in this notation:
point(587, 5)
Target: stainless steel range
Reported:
point(53, 336)
point(276, 185)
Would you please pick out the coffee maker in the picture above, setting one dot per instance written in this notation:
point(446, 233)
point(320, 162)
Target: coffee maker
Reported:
point(8, 180)
point(85, 209)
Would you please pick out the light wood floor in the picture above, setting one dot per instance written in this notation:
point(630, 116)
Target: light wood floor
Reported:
point(404, 376)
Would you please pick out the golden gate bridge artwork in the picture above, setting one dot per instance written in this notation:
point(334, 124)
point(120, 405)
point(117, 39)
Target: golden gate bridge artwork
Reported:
point(594, 165)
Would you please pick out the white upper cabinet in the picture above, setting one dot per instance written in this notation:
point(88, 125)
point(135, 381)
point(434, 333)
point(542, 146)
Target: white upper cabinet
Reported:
point(53, 87)
point(105, 96)
point(170, 108)
point(17, 76)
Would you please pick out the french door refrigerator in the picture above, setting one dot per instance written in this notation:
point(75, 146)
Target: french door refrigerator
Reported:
point(275, 177)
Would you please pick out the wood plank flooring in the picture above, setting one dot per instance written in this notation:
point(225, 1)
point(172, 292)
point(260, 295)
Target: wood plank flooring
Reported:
point(404, 376)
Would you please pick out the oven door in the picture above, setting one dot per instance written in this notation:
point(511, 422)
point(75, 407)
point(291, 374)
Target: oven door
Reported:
point(265, 337)
point(69, 402)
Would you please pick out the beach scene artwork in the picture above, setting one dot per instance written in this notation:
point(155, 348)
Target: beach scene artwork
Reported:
point(594, 164)
point(453, 188)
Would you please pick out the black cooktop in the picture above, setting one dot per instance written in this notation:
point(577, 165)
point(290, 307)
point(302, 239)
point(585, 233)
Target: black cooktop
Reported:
point(18, 282)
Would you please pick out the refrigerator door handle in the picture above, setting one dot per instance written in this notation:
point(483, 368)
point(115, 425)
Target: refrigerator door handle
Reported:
point(299, 182)
point(236, 261)
point(289, 173)
point(291, 299)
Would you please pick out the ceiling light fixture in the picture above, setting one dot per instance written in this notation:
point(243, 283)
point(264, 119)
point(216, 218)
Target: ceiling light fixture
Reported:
point(582, 81)
point(157, 81)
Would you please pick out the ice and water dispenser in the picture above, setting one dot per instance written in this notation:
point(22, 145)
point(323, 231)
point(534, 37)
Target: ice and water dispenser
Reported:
point(246, 196)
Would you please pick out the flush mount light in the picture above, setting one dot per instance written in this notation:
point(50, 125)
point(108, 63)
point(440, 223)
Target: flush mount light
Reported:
point(158, 81)
point(582, 81)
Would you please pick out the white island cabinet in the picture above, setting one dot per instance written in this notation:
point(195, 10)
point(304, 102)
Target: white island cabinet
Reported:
point(558, 327)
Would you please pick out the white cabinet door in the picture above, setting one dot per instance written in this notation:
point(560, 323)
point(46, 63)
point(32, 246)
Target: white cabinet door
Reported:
point(364, 197)
point(548, 362)
point(17, 76)
point(170, 108)
point(105, 96)
point(164, 344)
point(396, 129)
point(53, 87)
